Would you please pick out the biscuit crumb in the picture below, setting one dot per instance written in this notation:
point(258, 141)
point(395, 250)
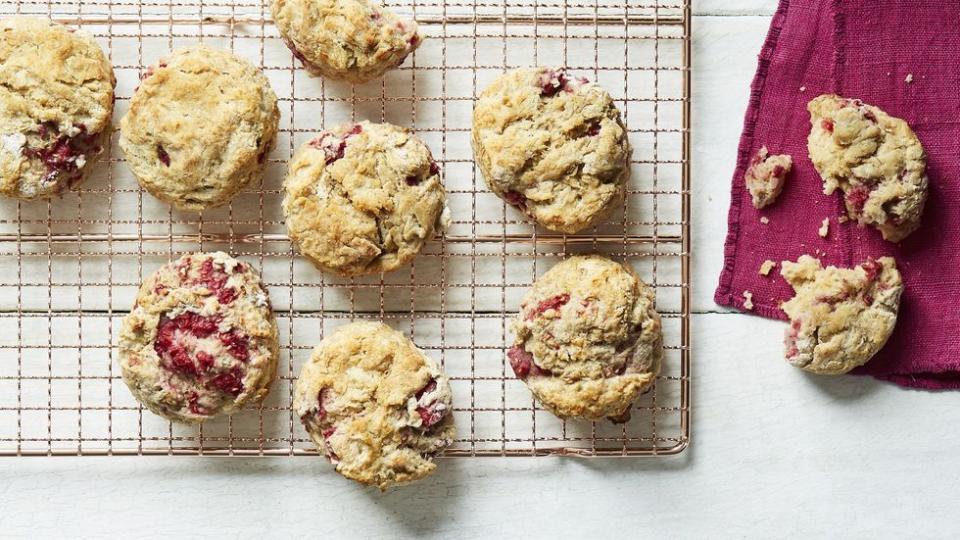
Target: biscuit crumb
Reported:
point(824, 228)
point(909, 78)
point(843, 219)
point(764, 220)
point(766, 267)
point(803, 88)
point(748, 300)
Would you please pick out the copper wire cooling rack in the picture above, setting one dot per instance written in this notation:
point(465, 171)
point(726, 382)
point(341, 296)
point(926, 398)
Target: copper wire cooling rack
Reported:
point(70, 267)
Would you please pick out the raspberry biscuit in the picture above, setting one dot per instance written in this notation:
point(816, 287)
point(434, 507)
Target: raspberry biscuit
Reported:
point(588, 339)
point(199, 127)
point(874, 158)
point(839, 317)
point(201, 339)
point(363, 198)
point(56, 101)
point(766, 176)
point(553, 146)
point(350, 40)
point(375, 405)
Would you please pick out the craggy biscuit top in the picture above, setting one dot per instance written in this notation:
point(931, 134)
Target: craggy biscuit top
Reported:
point(351, 40)
point(839, 317)
point(363, 198)
point(553, 146)
point(766, 177)
point(56, 103)
point(376, 406)
point(874, 158)
point(588, 340)
point(199, 127)
point(201, 339)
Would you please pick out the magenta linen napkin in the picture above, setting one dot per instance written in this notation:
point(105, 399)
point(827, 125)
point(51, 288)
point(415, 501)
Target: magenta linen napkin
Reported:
point(904, 57)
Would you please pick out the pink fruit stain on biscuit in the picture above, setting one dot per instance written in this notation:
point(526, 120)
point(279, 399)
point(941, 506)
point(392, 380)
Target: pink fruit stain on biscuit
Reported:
point(522, 363)
point(872, 268)
point(295, 52)
point(162, 155)
point(554, 302)
point(236, 344)
point(515, 198)
point(827, 125)
point(857, 197)
point(430, 411)
point(178, 344)
point(334, 147)
point(214, 278)
point(169, 343)
point(324, 396)
point(64, 153)
point(791, 339)
point(594, 129)
point(228, 382)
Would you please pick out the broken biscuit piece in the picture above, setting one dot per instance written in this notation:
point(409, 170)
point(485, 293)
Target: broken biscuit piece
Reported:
point(766, 176)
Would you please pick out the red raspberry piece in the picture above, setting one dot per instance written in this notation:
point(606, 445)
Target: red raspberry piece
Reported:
point(205, 360)
point(162, 155)
point(229, 382)
point(522, 363)
point(872, 268)
point(555, 302)
point(515, 198)
point(434, 168)
point(431, 412)
point(827, 125)
point(237, 344)
point(857, 198)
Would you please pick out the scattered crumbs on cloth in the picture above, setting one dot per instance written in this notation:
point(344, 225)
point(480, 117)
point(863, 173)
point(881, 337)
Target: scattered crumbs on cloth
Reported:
point(824, 229)
point(747, 300)
point(909, 78)
point(766, 267)
point(764, 219)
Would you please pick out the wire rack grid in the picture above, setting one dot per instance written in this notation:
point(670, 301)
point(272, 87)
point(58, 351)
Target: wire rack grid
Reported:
point(70, 267)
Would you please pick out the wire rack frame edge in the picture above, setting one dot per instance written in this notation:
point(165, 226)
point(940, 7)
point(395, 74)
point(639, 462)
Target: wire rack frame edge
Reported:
point(69, 267)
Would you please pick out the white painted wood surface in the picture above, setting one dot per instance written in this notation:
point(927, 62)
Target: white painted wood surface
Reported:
point(775, 453)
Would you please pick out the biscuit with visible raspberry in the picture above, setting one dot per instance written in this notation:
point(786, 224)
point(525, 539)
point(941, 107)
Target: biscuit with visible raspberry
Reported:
point(349, 40)
point(201, 339)
point(588, 340)
point(199, 127)
point(363, 198)
point(553, 146)
point(876, 160)
point(839, 317)
point(56, 103)
point(375, 405)
point(766, 177)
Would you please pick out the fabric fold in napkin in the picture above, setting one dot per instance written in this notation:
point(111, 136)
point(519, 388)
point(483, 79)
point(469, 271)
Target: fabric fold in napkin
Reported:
point(902, 56)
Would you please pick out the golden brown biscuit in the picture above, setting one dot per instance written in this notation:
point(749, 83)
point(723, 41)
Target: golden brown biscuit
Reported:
point(56, 101)
point(199, 127)
point(350, 40)
point(375, 405)
point(201, 339)
point(840, 317)
point(588, 340)
point(363, 198)
point(553, 146)
point(874, 158)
